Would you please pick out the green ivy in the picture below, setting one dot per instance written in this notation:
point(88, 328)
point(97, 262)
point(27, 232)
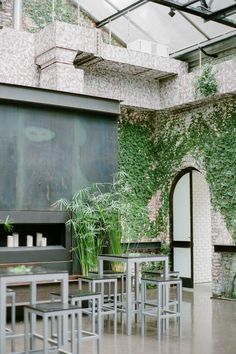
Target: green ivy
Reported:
point(40, 12)
point(152, 147)
point(206, 84)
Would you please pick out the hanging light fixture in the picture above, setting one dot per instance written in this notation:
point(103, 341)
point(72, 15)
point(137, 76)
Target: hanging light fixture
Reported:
point(171, 13)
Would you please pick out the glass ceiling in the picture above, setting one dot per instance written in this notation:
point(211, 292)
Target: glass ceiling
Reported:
point(166, 25)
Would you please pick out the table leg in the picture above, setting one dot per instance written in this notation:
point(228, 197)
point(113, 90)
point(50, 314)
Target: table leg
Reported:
point(128, 299)
point(137, 267)
point(100, 266)
point(3, 317)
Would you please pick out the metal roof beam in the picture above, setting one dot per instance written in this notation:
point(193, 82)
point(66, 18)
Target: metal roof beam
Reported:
point(227, 11)
point(190, 2)
point(121, 13)
point(139, 28)
point(200, 12)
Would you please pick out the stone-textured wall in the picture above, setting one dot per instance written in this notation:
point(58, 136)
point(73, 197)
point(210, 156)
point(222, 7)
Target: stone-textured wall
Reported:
point(221, 262)
point(127, 88)
point(133, 77)
point(6, 13)
point(17, 58)
point(224, 272)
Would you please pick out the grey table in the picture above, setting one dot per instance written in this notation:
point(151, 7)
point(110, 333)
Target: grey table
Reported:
point(31, 276)
point(132, 260)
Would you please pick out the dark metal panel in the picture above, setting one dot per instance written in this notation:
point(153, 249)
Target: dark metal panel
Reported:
point(35, 254)
point(225, 248)
point(181, 244)
point(50, 154)
point(58, 99)
point(35, 217)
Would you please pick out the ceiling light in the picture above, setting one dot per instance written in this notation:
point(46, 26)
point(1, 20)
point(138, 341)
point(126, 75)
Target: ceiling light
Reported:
point(171, 13)
point(204, 4)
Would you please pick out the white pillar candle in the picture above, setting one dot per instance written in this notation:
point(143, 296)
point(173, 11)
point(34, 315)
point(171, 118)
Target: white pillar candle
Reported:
point(44, 241)
point(39, 239)
point(9, 241)
point(15, 240)
point(29, 241)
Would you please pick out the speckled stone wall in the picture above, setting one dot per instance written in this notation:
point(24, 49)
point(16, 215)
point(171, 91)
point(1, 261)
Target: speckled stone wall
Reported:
point(127, 88)
point(224, 272)
point(17, 58)
point(137, 79)
point(180, 90)
point(6, 13)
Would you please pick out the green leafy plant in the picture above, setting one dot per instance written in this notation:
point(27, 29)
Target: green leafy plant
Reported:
point(7, 224)
point(98, 218)
point(206, 84)
point(86, 227)
point(231, 293)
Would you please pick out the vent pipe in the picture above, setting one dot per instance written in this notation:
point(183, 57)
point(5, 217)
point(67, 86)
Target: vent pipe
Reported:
point(17, 15)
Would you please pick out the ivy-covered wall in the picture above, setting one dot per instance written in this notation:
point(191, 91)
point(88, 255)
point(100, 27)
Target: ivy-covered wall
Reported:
point(38, 14)
point(153, 146)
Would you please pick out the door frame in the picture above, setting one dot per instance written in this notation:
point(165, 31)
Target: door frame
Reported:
point(187, 282)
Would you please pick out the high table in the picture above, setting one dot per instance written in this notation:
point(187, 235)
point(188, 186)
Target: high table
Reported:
point(31, 276)
point(132, 260)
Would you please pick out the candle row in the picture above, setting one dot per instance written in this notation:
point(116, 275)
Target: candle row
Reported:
point(13, 240)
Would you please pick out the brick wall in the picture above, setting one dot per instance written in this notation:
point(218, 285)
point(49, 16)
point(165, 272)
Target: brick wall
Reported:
point(202, 249)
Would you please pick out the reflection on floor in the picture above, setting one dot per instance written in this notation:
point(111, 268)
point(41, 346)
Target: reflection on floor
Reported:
point(208, 327)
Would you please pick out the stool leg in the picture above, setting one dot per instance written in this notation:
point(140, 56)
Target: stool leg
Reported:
point(53, 335)
point(27, 331)
point(79, 333)
point(143, 292)
point(115, 307)
point(93, 315)
point(13, 319)
point(73, 331)
point(164, 304)
point(159, 311)
point(179, 297)
point(45, 334)
point(99, 328)
point(122, 295)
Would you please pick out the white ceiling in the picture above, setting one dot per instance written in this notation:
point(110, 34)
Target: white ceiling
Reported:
point(152, 22)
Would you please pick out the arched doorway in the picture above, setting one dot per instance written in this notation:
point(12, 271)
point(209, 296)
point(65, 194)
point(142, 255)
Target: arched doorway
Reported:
point(190, 227)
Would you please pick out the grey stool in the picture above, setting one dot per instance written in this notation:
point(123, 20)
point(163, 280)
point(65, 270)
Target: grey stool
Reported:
point(94, 306)
point(161, 308)
point(159, 273)
point(11, 331)
point(120, 290)
point(97, 282)
point(61, 343)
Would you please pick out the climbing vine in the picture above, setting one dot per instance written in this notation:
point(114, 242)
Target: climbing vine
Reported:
point(40, 13)
point(152, 147)
point(206, 83)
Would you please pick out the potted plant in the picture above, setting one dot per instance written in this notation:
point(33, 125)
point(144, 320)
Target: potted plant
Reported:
point(206, 83)
point(7, 224)
point(98, 218)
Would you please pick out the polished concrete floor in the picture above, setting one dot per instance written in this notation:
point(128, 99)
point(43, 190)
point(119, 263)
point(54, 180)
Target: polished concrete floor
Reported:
point(208, 327)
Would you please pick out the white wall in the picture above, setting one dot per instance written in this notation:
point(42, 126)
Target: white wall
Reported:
point(202, 249)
